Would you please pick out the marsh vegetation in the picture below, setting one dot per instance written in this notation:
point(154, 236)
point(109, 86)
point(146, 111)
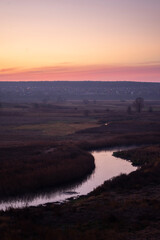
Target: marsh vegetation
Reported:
point(51, 142)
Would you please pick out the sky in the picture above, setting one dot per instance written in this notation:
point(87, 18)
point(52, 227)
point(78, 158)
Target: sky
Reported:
point(106, 40)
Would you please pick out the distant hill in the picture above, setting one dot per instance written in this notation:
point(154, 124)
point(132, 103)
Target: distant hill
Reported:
point(77, 90)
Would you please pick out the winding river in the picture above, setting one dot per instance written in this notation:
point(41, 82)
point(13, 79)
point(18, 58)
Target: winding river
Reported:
point(106, 167)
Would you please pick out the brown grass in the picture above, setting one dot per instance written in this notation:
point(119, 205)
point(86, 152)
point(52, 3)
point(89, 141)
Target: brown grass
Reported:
point(28, 169)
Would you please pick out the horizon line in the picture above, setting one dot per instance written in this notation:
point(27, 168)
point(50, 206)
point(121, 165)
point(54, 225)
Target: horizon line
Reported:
point(128, 81)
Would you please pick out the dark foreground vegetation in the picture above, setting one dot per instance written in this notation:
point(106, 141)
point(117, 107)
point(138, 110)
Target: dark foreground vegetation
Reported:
point(127, 207)
point(31, 168)
point(42, 142)
point(141, 156)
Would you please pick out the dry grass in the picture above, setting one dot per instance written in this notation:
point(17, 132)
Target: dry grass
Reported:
point(29, 169)
point(58, 128)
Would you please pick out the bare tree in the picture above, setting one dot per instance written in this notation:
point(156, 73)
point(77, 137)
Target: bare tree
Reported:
point(129, 109)
point(0, 103)
point(138, 104)
point(150, 109)
point(85, 101)
point(86, 113)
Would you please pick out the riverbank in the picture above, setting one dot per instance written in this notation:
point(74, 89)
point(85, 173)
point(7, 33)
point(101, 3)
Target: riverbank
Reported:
point(148, 173)
point(119, 209)
point(141, 156)
point(31, 169)
point(106, 167)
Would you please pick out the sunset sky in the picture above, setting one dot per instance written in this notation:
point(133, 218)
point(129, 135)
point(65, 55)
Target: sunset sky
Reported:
point(80, 40)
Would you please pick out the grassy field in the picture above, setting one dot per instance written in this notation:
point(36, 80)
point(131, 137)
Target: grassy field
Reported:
point(23, 123)
point(58, 128)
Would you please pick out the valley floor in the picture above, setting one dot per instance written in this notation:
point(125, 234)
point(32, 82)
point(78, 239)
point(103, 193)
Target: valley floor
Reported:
point(126, 207)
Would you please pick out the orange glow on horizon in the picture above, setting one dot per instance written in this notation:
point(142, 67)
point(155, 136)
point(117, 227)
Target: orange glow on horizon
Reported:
point(66, 72)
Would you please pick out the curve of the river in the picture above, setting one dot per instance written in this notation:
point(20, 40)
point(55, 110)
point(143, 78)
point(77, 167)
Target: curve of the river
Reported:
point(106, 167)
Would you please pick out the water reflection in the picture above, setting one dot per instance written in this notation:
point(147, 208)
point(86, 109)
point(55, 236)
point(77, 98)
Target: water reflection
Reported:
point(106, 167)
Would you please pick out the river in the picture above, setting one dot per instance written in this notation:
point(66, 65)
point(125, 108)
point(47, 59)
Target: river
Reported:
point(106, 167)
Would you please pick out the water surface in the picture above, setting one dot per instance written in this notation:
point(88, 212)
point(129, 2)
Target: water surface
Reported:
point(106, 167)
